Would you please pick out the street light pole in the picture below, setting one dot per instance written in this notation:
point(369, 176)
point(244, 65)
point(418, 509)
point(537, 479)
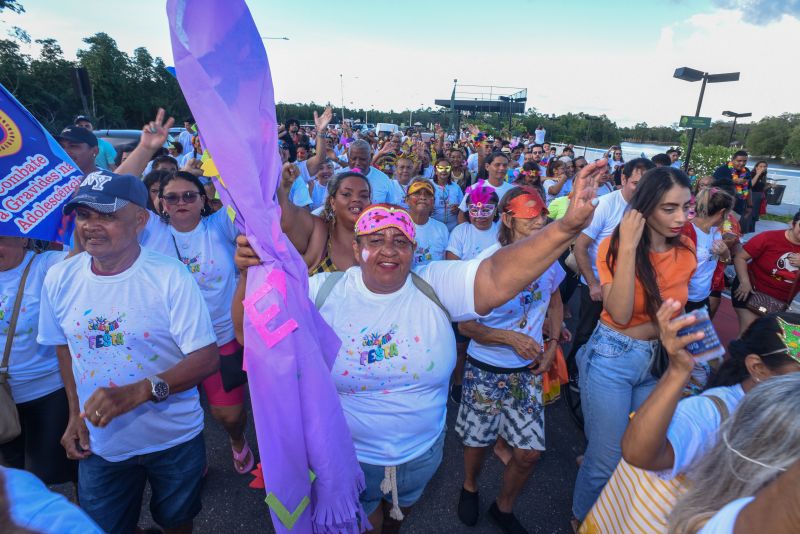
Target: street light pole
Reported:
point(735, 116)
point(341, 88)
point(694, 130)
point(693, 75)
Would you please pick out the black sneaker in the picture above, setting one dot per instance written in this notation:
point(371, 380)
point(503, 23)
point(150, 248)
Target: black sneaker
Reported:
point(455, 394)
point(506, 521)
point(468, 507)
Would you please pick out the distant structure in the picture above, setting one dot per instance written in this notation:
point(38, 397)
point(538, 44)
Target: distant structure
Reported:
point(483, 99)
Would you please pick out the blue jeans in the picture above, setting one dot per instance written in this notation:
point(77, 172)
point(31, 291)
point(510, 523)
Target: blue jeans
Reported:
point(111, 492)
point(615, 379)
point(412, 477)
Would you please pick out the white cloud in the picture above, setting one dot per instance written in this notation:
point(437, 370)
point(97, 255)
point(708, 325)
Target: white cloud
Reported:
point(763, 11)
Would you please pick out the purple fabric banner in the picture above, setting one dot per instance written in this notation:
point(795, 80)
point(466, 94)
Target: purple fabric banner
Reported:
point(223, 71)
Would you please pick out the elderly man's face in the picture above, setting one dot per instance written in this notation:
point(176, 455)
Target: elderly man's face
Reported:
point(358, 157)
point(107, 236)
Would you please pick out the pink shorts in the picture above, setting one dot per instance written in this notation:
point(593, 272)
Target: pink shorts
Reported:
point(217, 396)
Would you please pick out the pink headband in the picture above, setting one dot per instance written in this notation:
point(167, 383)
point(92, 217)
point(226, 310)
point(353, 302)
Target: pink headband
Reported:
point(380, 216)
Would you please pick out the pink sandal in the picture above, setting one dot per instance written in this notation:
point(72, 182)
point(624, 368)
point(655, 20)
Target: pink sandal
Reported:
point(240, 459)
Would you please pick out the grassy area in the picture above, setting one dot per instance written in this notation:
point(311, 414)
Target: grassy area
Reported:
point(782, 218)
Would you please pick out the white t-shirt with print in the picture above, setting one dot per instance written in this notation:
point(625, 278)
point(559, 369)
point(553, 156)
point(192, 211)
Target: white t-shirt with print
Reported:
point(693, 430)
point(445, 197)
point(207, 253)
point(398, 351)
point(607, 216)
point(531, 303)
point(33, 368)
point(500, 190)
point(565, 189)
point(431, 242)
point(700, 283)
point(122, 329)
point(467, 242)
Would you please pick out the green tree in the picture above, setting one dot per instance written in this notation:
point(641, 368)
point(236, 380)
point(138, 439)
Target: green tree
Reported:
point(791, 152)
point(769, 136)
point(706, 158)
point(12, 5)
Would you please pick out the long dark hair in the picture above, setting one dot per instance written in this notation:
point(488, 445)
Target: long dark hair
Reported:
point(651, 189)
point(762, 339)
point(189, 177)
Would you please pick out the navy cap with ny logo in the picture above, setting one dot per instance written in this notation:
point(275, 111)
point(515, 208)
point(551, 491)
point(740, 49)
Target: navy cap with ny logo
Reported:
point(107, 192)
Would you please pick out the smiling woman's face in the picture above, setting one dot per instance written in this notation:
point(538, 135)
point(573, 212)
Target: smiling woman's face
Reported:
point(385, 259)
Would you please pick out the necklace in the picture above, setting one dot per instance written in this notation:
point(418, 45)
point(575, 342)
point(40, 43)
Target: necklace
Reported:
point(523, 322)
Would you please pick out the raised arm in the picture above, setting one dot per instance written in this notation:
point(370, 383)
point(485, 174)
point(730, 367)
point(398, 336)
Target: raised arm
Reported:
point(154, 135)
point(506, 272)
point(618, 295)
point(645, 443)
point(296, 222)
point(321, 123)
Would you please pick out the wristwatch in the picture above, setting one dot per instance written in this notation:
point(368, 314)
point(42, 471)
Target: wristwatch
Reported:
point(159, 389)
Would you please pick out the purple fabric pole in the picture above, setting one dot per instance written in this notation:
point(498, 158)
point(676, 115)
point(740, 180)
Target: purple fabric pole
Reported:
point(223, 71)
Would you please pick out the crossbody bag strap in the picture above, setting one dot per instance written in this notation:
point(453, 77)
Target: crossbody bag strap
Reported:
point(722, 408)
point(429, 292)
point(327, 287)
point(12, 326)
point(175, 244)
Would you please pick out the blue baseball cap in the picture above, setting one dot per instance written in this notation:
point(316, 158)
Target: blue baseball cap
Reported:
point(107, 192)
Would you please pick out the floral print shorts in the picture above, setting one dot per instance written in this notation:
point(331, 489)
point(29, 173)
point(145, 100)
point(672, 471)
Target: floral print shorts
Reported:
point(504, 404)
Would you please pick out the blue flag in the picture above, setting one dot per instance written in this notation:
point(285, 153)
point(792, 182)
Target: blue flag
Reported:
point(36, 176)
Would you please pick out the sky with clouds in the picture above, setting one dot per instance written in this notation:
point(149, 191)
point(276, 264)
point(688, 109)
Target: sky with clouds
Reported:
point(614, 57)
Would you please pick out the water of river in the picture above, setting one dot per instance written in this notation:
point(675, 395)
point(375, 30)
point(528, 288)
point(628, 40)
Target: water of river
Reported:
point(782, 174)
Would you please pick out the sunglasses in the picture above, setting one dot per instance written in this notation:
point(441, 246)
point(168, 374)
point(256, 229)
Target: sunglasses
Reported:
point(483, 210)
point(443, 168)
point(188, 197)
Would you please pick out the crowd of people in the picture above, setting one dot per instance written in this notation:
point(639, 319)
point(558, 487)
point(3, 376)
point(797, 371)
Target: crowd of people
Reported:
point(446, 264)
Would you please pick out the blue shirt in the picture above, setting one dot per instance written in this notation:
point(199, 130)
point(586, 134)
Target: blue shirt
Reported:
point(106, 154)
point(36, 508)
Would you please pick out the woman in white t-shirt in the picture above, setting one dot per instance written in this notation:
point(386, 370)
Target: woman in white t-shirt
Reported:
point(448, 195)
point(757, 444)
point(712, 207)
point(467, 241)
point(33, 372)
point(431, 235)
point(398, 350)
point(204, 242)
point(502, 394)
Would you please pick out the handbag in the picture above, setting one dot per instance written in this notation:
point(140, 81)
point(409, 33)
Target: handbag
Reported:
point(10, 426)
point(638, 500)
point(660, 361)
point(761, 304)
point(554, 378)
point(230, 369)
point(230, 366)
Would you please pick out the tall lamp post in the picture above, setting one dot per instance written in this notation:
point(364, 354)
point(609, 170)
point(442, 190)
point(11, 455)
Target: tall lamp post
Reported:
point(735, 116)
point(692, 75)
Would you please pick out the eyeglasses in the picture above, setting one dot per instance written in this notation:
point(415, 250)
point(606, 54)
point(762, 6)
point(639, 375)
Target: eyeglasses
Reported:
point(188, 197)
point(481, 210)
point(443, 168)
point(536, 152)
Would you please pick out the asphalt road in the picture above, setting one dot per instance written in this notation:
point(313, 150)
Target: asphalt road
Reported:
point(229, 505)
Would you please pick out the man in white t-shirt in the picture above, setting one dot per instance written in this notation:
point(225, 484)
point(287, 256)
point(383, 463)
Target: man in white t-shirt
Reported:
point(133, 338)
point(540, 134)
point(359, 157)
point(607, 216)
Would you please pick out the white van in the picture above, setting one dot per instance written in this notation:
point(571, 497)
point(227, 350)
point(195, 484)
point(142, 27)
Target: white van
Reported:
point(386, 128)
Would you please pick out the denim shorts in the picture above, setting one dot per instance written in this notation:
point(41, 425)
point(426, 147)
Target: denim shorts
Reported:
point(412, 477)
point(111, 492)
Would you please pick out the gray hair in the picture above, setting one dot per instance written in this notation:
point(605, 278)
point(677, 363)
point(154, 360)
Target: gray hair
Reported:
point(360, 144)
point(756, 444)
